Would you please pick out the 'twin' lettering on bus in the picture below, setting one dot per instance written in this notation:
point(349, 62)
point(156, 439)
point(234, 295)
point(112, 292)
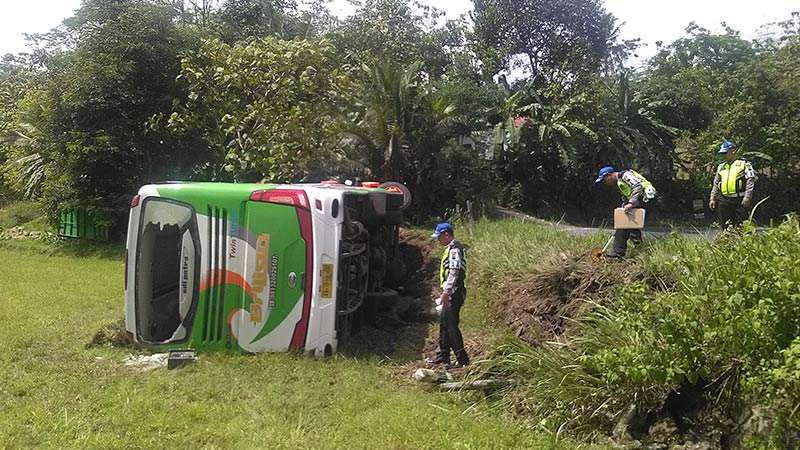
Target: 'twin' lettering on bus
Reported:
point(257, 267)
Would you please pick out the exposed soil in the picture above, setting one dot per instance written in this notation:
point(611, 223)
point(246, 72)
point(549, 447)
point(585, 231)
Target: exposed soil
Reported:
point(418, 252)
point(416, 339)
point(539, 306)
point(401, 330)
point(474, 345)
point(113, 334)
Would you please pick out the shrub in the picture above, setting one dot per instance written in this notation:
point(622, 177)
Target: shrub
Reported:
point(18, 214)
point(728, 327)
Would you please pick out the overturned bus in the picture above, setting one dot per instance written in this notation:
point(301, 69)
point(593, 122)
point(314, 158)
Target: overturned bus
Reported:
point(258, 268)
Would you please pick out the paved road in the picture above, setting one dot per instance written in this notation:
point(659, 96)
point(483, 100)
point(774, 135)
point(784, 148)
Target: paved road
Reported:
point(649, 232)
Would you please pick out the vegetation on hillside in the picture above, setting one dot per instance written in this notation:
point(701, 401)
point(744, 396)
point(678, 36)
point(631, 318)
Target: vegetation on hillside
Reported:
point(697, 336)
point(129, 92)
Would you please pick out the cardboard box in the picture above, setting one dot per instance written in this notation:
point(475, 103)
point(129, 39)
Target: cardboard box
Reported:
point(632, 220)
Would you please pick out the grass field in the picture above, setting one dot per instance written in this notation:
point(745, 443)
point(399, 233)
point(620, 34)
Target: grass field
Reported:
point(60, 392)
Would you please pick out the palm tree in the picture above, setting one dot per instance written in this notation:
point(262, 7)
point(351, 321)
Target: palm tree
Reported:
point(32, 167)
point(392, 106)
point(640, 136)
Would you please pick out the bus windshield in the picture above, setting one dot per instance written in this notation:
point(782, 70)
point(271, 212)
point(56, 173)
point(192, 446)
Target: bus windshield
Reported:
point(165, 270)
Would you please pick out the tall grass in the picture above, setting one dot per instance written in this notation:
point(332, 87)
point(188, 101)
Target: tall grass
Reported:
point(505, 249)
point(23, 213)
point(729, 326)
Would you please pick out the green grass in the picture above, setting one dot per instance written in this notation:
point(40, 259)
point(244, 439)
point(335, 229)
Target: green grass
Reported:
point(63, 247)
point(502, 249)
point(27, 214)
point(716, 317)
point(57, 392)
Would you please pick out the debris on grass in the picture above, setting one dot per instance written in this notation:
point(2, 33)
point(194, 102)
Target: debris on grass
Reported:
point(425, 375)
point(147, 362)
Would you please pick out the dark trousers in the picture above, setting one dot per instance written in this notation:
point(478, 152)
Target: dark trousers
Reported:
point(450, 338)
point(731, 212)
point(621, 238)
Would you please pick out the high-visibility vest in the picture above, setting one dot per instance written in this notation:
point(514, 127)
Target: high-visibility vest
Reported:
point(444, 265)
point(732, 177)
point(626, 190)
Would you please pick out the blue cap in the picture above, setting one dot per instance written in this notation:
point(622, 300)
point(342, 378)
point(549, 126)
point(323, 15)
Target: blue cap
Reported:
point(441, 228)
point(726, 147)
point(602, 174)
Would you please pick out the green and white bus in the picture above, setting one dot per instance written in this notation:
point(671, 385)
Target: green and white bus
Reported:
point(257, 267)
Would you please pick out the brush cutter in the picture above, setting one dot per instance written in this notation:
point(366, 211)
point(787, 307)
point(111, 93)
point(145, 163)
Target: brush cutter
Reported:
point(597, 252)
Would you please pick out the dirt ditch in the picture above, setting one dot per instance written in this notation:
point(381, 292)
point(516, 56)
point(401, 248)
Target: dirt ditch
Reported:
point(538, 307)
point(401, 331)
point(419, 252)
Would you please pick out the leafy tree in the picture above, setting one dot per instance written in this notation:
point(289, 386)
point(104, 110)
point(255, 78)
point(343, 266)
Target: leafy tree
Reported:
point(110, 68)
point(762, 116)
point(472, 96)
point(263, 109)
point(394, 30)
point(241, 19)
point(695, 76)
point(313, 19)
point(549, 38)
point(720, 87)
point(237, 20)
point(191, 12)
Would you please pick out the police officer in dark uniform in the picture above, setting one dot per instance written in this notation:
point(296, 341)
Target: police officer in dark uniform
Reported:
point(635, 191)
point(732, 191)
point(452, 279)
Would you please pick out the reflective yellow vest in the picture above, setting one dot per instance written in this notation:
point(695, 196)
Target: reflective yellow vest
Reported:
point(444, 266)
point(626, 189)
point(732, 177)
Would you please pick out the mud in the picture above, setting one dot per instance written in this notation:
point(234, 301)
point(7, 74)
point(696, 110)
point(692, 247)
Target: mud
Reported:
point(418, 251)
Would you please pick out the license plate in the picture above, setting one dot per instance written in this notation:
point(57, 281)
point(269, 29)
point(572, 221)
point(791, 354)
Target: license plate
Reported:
point(327, 280)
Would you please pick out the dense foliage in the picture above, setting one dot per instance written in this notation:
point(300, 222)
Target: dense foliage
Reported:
point(260, 124)
point(518, 107)
point(706, 333)
point(133, 91)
